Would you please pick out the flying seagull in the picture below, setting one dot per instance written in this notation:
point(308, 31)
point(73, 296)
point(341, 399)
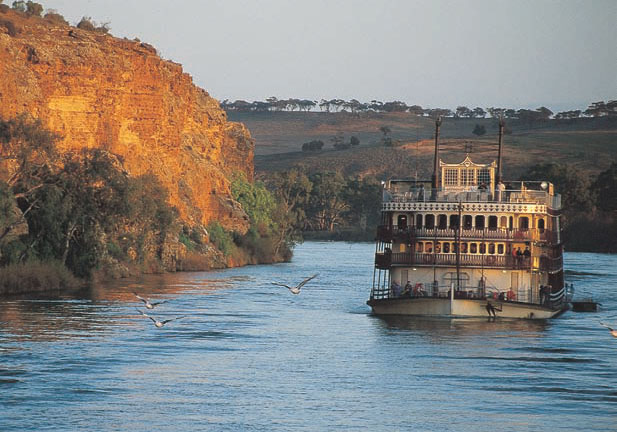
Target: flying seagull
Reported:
point(147, 303)
point(156, 322)
point(296, 289)
point(613, 331)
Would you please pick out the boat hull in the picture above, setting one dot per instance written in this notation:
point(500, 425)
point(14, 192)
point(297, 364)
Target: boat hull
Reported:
point(431, 306)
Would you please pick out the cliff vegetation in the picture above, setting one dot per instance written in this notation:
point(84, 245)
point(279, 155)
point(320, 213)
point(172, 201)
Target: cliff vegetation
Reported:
point(113, 162)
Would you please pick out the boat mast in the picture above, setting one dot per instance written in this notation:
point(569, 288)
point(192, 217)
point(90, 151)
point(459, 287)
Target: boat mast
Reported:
point(502, 124)
point(435, 176)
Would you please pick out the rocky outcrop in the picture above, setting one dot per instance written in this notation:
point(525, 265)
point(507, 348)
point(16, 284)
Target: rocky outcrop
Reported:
point(95, 90)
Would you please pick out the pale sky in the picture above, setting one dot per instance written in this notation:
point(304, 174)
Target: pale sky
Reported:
point(439, 53)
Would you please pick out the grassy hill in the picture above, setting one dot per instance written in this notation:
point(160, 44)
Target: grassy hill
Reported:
point(590, 144)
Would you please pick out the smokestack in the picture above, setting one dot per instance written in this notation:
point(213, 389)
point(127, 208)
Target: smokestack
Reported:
point(435, 177)
point(502, 124)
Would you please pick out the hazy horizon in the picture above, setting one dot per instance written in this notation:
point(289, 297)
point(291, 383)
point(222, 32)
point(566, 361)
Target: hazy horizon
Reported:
point(526, 54)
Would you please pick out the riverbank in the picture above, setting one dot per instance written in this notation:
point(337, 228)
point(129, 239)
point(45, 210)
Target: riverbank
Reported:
point(37, 277)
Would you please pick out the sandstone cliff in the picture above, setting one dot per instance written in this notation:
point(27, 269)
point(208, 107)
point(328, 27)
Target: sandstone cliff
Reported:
point(95, 90)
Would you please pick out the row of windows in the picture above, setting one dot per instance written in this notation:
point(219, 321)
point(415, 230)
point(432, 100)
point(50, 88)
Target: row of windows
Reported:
point(467, 176)
point(469, 222)
point(466, 247)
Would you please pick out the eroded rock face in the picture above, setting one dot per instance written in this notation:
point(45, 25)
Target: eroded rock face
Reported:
point(95, 90)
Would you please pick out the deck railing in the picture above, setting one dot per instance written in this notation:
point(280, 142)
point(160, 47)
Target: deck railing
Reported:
point(389, 233)
point(430, 290)
point(521, 196)
point(385, 260)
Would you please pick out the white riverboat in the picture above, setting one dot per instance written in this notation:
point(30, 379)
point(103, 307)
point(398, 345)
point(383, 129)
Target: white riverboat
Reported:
point(467, 243)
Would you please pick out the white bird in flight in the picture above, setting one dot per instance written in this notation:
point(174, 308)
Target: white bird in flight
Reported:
point(147, 303)
point(296, 289)
point(158, 323)
point(613, 331)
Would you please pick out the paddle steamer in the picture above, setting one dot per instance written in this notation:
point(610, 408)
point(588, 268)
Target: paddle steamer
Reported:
point(468, 243)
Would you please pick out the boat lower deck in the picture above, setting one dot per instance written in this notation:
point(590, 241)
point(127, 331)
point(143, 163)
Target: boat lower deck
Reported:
point(462, 307)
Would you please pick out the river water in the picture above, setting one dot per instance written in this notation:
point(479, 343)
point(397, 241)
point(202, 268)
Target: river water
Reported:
point(250, 356)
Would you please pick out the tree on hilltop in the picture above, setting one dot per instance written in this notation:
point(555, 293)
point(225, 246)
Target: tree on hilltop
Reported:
point(463, 111)
point(479, 112)
point(35, 9)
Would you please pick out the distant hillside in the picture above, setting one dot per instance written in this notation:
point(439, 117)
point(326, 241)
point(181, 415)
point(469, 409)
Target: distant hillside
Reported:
point(588, 143)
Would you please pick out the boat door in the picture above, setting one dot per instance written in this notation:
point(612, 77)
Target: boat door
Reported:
point(514, 282)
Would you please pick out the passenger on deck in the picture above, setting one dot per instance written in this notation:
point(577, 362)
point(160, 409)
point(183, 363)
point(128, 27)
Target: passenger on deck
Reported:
point(418, 290)
point(407, 289)
point(547, 297)
point(510, 295)
point(527, 252)
point(501, 189)
point(396, 289)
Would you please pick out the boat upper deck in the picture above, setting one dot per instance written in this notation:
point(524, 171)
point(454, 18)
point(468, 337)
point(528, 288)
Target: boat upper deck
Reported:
point(521, 192)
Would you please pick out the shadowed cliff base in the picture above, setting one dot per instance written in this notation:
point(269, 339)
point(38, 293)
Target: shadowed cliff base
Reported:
point(82, 211)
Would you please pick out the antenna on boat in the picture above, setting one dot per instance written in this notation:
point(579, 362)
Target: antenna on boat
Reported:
point(502, 124)
point(435, 176)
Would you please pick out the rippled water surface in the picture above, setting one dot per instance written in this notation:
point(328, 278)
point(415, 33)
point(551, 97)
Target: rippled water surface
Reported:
point(251, 356)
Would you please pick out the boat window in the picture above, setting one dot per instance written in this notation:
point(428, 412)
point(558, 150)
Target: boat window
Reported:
point(402, 221)
point(484, 176)
point(463, 247)
point(491, 248)
point(500, 249)
point(482, 248)
point(503, 222)
point(468, 176)
point(437, 247)
point(510, 222)
point(419, 221)
point(446, 247)
point(454, 221)
point(428, 247)
point(541, 224)
point(454, 247)
point(480, 222)
point(451, 177)
point(429, 221)
point(442, 221)
point(419, 247)
point(473, 248)
point(467, 221)
point(492, 222)
point(523, 222)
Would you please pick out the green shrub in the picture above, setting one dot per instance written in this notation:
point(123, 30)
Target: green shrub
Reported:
point(115, 251)
point(86, 24)
point(222, 239)
point(19, 5)
point(196, 235)
point(33, 8)
point(186, 241)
